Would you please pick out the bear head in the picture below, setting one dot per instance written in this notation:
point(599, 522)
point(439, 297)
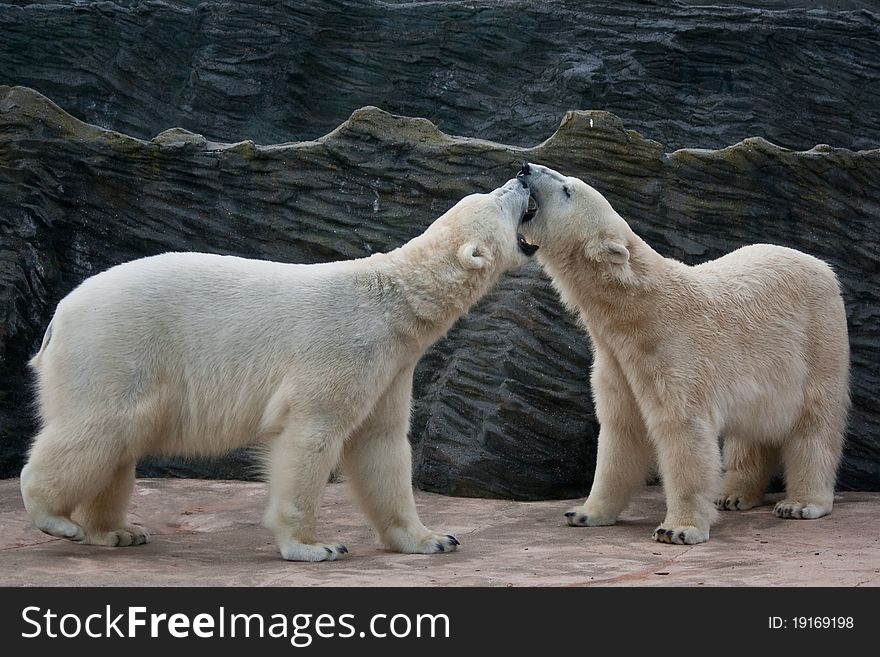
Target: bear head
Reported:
point(483, 229)
point(574, 223)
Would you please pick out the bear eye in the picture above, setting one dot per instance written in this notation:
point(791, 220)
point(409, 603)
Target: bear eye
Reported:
point(567, 191)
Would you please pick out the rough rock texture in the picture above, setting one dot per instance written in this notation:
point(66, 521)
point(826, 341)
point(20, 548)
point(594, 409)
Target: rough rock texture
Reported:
point(797, 73)
point(503, 404)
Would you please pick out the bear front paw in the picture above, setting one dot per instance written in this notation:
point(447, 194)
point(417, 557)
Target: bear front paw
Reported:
point(444, 543)
point(421, 543)
point(580, 517)
point(686, 535)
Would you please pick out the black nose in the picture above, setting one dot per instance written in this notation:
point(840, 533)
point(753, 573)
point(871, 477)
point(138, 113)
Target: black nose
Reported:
point(525, 170)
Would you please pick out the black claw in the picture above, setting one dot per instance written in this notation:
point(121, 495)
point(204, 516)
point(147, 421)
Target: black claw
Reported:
point(681, 536)
point(669, 532)
point(329, 551)
point(342, 549)
point(453, 539)
point(525, 170)
point(440, 547)
point(570, 514)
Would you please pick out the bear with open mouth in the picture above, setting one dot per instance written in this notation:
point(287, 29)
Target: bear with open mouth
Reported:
point(751, 347)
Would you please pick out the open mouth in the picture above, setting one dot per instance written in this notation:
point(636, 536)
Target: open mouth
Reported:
point(524, 246)
point(531, 210)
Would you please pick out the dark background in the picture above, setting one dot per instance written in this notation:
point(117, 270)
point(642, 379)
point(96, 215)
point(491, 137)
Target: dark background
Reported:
point(503, 403)
point(795, 73)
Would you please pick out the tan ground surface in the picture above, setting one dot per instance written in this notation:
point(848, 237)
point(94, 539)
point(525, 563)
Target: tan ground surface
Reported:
point(209, 533)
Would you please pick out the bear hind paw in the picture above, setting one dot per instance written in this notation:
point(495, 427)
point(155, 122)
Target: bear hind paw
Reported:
point(737, 502)
point(790, 509)
point(123, 537)
point(578, 517)
point(296, 551)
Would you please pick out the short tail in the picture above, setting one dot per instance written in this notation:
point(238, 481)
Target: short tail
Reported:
point(47, 336)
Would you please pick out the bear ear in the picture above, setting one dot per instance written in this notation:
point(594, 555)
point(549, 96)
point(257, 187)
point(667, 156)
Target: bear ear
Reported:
point(608, 250)
point(474, 256)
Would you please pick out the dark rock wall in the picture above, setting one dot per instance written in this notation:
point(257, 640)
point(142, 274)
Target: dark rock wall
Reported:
point(796, 73)
point(502, 404)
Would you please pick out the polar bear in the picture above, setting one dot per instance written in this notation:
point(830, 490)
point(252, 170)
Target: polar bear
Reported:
point(751, 347)
point(197, 354)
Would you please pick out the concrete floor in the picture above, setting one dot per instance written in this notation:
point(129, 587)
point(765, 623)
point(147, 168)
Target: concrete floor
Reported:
point(209, 533)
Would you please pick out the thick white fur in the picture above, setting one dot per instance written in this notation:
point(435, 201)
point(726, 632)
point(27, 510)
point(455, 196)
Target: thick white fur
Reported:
point(196, 354)
point(751, 347)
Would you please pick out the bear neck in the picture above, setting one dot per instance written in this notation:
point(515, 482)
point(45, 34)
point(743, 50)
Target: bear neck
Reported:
point(616, 303)
point(435, 290)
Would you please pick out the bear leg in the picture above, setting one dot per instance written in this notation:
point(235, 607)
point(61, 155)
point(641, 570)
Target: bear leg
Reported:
point(103, 517)
point(48, 511)
point(749, 466)
point(299, 464)
point(624, 456)
point(690, 466)
point(378, 463)
point(810, 457)
point(66, 466)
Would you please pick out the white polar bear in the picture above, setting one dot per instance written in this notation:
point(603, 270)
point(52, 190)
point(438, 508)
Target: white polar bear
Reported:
point(196, 354)
point(751, 347)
